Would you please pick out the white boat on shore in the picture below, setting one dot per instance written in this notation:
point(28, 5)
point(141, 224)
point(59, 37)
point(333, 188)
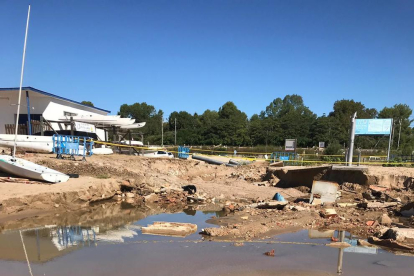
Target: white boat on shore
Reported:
point(28, 142)
point(27, 169)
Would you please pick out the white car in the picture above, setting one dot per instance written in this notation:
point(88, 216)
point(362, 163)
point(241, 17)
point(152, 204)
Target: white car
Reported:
point(160, 154)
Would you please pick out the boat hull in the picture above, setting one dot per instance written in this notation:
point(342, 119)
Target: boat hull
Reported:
point(26, 169)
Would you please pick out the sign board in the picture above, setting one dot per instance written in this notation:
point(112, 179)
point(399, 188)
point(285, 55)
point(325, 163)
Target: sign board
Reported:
point(373, 126)
point(290, 144)
point(85, 127)
point(322, 144)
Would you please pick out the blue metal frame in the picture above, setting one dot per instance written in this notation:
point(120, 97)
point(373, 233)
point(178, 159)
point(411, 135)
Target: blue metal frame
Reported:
point(70, 145)
point(183, 152)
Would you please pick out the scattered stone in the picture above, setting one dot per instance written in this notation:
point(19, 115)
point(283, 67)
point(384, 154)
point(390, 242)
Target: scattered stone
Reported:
point(244, 218)
point(385, 220)
point(270, 253)
point(238, 244)
point(151, 198)
point(328, 213)
point(130, 195)
point(56, 205)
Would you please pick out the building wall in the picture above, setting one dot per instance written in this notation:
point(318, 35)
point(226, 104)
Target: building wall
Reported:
point(51, 108)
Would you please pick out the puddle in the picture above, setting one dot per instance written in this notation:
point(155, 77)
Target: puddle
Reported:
point(115, 246)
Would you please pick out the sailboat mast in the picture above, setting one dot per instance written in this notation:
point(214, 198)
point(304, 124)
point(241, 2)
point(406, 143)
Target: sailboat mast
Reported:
point(21, 83)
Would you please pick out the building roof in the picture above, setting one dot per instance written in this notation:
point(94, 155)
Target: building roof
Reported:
point(52, 95)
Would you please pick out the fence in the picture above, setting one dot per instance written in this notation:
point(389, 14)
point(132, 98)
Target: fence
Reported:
point(23, 128)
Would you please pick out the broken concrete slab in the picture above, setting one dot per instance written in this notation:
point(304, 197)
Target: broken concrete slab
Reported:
point(175, 229)
point(326, 191)
point(378, 204)
point(328, 213)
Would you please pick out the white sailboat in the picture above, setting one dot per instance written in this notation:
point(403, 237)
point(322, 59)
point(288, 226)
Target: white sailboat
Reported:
point(21, 167)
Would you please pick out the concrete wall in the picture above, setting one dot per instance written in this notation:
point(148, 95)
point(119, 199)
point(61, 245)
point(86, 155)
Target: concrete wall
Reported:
point(51, 108)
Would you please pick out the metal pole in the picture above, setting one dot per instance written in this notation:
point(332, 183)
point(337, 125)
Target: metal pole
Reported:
point(399, 136)
point(341, 252)
point(389, 143)
point(41, 126)
point(175, 134)
point(21, 84)
point(72, 131)
point(28, 113)
point(352, 139)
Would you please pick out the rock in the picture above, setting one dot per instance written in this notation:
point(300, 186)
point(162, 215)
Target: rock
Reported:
point(244, 218)
point(328, 213)
point(118, 192)
point(385, 220)
point(130, 195)
point(151, 198)
point(299, 208)
point(56, 205)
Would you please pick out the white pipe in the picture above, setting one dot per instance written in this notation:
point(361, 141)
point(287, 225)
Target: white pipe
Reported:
point(21, 83)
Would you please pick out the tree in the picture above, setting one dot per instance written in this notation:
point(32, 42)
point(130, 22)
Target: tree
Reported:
point(342, 112)
point(231, 126)
point(87, 103)
point(400, 113)
point(142, 112)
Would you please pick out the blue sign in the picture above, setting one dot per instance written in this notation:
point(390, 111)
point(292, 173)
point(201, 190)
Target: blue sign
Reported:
point(373, 127)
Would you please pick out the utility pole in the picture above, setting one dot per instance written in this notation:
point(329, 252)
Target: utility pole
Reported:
point(352, 139)
point(175, 132)
point(399, 135)
point(162, 131)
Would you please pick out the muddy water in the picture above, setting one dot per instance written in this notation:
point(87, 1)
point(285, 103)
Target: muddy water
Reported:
point(119, 248)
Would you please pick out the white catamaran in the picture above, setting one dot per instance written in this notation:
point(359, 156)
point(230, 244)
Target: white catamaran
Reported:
point(21, 167)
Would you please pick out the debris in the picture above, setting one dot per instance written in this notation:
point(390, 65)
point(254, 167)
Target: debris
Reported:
point(278, 197)
point(338, 244)
point(378, 188)
point(346, 204)
point(130, 195)
point(390, 243)
point(191, 189)
point(334, 239)
point(327, 191)
point(151, 198)
point(316, 201)
point(372, 223)
point(400, 234)
point(238, 244)
point(276, 164)
point(244, 218)
point(270, 253)
point(270, 205)
point(299, 208)
point(328, 213)
point(385, 220)
point(361, 242)
point(407, 210)
point(176, 229)
point(195, 198)
point(316, 234)
point(379, 204)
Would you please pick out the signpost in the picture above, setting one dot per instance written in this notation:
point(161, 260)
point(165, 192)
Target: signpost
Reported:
point(290, 145)
point(368, 127)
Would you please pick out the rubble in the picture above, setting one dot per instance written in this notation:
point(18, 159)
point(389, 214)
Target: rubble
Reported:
point(175, 229)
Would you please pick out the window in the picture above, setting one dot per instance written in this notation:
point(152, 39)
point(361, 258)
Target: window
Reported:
point(65, 113)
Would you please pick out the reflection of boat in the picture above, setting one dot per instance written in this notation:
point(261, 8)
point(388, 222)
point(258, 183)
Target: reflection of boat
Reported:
point(27, 169)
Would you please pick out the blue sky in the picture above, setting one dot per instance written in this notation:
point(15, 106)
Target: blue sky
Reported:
point(196, 55)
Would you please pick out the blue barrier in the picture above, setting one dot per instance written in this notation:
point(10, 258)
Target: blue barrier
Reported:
point(72, 146)
point(183, 152)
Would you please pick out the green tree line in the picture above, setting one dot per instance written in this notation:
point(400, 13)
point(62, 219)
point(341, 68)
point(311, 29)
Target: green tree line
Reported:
point(286, 118)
